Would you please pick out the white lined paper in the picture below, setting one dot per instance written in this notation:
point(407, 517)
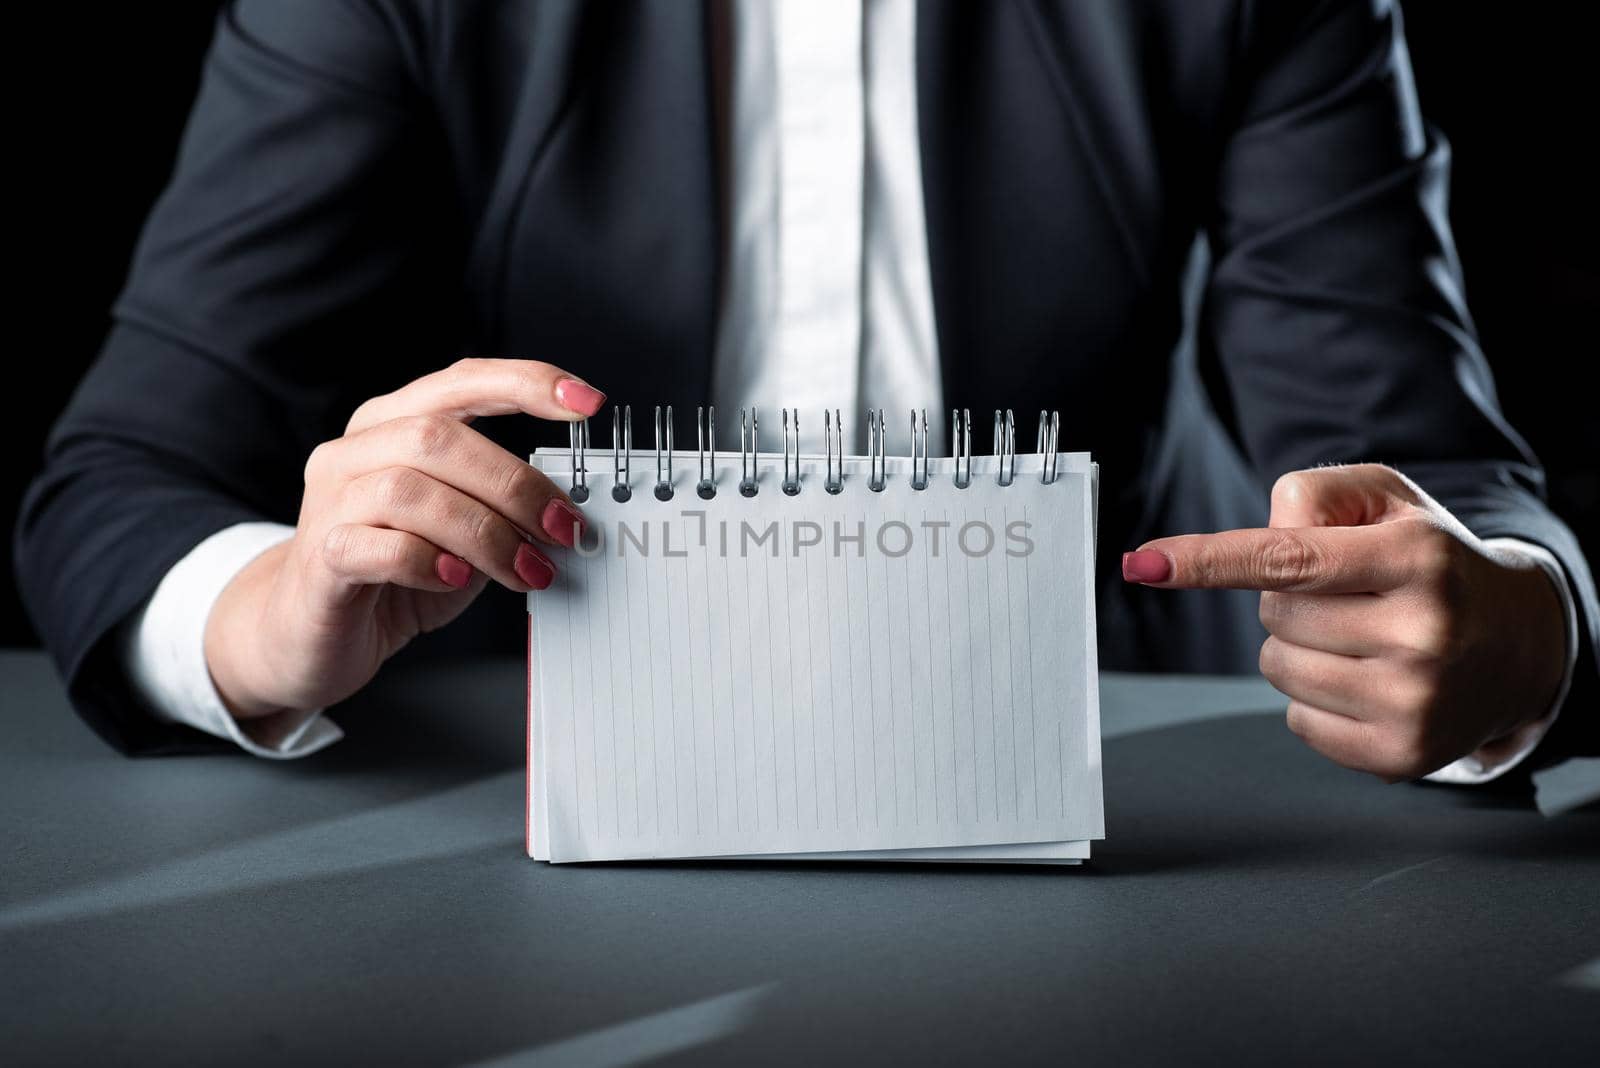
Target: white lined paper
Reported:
point(729, 701)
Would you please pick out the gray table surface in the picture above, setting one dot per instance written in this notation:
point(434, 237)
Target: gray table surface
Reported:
point(372, 904)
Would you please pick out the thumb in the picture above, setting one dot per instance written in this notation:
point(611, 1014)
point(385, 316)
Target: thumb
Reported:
point(1351, 495)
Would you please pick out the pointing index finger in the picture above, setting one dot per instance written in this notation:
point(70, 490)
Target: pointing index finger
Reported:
point(1286, 559)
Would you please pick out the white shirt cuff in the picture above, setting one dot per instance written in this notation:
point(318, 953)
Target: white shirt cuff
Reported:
point(164, 650)
point(1493, 760)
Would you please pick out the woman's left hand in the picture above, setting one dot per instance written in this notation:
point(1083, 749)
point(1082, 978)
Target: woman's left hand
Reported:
point(1402, 641)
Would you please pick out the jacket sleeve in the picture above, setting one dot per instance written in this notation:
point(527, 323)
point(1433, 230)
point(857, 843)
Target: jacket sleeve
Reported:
point(1335, 326)
point(287, 254)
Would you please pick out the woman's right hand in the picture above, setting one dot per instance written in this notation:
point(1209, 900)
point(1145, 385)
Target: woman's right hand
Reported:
point(405, 519)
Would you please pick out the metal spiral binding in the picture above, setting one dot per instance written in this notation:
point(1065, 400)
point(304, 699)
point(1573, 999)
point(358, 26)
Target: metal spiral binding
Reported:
point(707, 486)
point(961, 446)
point(876, 434)
point(578, 442)
point(791, 472)
point(621, 451)
point(1005, 447)
point(1049, 443)
point(919, 475)
point(833, 445)
point(664, 473)
point(749, 451)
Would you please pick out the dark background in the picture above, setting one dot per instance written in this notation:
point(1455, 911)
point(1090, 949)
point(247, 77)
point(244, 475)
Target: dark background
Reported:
point(1513, 87)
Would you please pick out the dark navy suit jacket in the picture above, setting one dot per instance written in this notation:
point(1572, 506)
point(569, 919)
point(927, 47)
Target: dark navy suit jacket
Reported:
point(370, 188)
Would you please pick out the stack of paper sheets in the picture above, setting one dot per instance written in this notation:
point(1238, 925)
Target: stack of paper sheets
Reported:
point(895, 675)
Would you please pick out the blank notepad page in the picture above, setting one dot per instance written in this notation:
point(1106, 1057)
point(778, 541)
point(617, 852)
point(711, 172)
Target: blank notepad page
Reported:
point(821, 672)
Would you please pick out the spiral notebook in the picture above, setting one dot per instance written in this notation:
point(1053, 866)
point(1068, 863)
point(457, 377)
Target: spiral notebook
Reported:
point(801, 655)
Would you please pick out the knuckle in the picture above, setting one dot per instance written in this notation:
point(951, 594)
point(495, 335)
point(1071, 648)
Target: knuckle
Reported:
point(532, 372)
point(530, 380)
point(394, 555)
point(1287, 560)
point(483, 527)
point(339, 547)
point(520, 482)
point(1271, 660)
point(396, 489)
point(1292, 489)
point(318, 463)
point(430, 435)
point(360, 416)
point(1295, 719)
point(1274, 611)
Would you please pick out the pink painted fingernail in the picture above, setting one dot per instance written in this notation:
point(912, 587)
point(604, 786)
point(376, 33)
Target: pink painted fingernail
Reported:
point(579, 397)
point(562, 522)
point(533, 567)
point(1146, 565)
point(453, 571)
